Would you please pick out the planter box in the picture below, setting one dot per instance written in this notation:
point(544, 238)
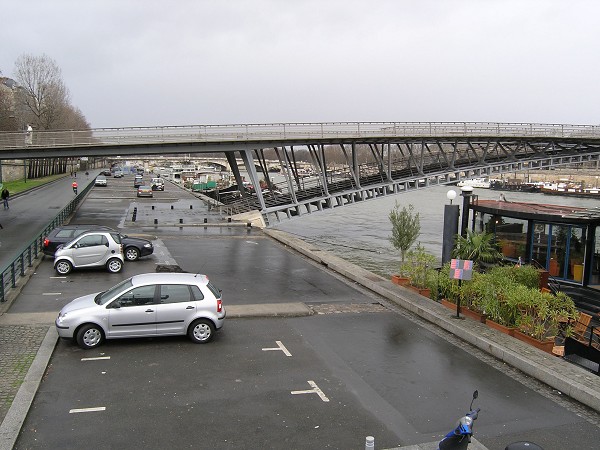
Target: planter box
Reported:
point(425, 292)
point(473, 314)
point(504, 329)
point(546, 345)
point(448, 304)
point(400, 280)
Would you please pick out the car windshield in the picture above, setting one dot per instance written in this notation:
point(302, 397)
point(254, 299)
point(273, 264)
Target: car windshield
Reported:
point(105, 296)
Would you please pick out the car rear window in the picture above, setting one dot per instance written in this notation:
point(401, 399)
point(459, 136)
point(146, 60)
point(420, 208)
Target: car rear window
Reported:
point(65, 233)
point(116, 237)
point(215, 290)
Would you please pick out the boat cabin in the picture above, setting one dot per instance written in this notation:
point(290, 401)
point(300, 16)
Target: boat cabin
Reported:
point(564, 240)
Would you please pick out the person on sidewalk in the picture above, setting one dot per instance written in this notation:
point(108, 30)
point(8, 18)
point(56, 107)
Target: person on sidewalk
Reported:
point(5, 196)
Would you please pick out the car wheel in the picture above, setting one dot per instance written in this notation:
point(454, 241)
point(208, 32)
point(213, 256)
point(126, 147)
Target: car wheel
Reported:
point(90, 336)
point(63, 267)
point(132, 253)
point(114, 265)
point(201, 331)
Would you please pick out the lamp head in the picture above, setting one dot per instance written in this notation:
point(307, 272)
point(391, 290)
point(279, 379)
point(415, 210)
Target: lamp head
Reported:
point(451, 195)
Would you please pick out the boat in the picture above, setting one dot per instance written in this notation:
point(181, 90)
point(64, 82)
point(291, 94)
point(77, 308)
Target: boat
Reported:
point(515, 185)
point(475, 182)
point(570, 190)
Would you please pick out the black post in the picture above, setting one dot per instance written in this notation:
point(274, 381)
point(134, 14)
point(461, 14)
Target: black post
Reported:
point(451, 213)
point(467, 191)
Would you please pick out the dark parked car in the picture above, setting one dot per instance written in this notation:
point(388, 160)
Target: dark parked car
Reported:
point(106, 172)
point(133, 248)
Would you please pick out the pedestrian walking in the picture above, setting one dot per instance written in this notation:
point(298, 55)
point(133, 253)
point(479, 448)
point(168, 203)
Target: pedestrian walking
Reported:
point(74, 185)
point(5, 196)
point(29, 135)
point(87, 174)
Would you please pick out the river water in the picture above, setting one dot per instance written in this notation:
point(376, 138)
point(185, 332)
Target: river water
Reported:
point(360, 233)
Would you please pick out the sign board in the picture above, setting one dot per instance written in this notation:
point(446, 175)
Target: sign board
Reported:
point(461, 269)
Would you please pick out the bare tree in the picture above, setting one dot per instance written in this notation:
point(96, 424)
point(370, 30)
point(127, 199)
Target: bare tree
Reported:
point(43, 94)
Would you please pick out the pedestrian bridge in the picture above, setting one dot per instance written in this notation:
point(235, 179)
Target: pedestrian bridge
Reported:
point(402, 155)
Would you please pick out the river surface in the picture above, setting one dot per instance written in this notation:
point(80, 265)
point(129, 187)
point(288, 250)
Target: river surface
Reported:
point(360, 233)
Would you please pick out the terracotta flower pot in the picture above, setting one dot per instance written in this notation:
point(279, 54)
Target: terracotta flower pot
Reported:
point(425, 292)
point(473, 314)
point(448, 304)
point(496, 326)
point(546, 345)
point(400, 280)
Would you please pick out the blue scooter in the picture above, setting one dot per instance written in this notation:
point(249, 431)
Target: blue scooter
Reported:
point(460, 437)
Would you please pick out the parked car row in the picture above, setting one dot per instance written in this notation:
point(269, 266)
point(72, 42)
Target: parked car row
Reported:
point(75, 246)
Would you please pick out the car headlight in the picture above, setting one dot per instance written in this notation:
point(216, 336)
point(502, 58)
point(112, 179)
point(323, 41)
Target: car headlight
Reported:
point(148, 245)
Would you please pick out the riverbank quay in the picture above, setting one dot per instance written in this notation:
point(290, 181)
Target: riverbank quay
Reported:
point(557, 373)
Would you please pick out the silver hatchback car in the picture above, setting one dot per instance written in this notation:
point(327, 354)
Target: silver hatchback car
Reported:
point(91, 249)
point(150, 304)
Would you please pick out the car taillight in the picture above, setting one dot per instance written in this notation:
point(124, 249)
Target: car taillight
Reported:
point(46, 242)
point(219, 305)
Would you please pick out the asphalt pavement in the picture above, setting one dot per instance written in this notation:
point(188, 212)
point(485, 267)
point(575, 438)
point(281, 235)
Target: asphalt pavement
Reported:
point(27, 337)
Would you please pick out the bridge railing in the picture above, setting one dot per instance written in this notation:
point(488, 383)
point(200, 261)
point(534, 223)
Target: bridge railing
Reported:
point(13, 272)
point(291, 132)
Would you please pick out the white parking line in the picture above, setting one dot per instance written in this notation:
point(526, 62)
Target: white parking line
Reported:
point(84, 410)
point(59, 278)
point(280, 347)
point(51, 293)
point(315, 390)
point(97, 358)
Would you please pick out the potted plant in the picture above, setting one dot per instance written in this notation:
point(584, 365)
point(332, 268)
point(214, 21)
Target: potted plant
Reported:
point(406, 227)
point(478, 247)
point(419, 267)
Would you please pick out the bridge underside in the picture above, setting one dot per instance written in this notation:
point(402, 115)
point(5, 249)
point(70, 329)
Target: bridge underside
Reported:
point(395, 167)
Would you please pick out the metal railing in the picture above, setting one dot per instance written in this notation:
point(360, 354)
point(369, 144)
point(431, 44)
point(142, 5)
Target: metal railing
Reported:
point(17, 268)
point(291, 132)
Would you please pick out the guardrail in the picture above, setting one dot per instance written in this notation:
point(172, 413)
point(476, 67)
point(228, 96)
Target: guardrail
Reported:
point(16, 269)
point(290, 131)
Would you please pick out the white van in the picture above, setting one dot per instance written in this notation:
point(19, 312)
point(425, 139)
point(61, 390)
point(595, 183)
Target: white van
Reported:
point(157, 184)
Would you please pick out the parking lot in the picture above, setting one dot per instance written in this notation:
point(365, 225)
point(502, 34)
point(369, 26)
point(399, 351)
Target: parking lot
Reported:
point(356, 367)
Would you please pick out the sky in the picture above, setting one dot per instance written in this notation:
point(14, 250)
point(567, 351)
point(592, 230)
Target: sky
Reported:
point(189, 62)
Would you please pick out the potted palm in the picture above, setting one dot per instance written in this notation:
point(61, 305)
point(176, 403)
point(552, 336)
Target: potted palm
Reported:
point(478, 247)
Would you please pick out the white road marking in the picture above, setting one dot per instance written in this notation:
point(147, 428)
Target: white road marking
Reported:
point(51, 293)
point(58, 278)
point(250, 242)
point(315, 390)
point(96, 358)
point(84, 410)
point(280, 347)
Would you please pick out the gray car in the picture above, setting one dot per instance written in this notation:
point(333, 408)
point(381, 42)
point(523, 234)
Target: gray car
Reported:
point(151, 304)
point(91, 249)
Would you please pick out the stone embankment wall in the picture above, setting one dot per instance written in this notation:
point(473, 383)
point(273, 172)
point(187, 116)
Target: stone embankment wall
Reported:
point(12, 170)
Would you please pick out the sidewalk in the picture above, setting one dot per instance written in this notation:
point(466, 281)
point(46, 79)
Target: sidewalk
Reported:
point(27, 342)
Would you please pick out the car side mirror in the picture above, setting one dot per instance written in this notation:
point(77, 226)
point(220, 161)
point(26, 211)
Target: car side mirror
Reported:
point(116, 304)
point(106, 244)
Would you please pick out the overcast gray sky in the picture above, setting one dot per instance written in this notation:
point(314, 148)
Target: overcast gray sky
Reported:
point(184, 62)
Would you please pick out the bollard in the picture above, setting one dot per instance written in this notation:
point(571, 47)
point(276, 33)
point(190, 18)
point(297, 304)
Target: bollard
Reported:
point(205, 220)
point(249, 224)
point(191, 207)
point(229, 219)
point(180, 220)
point(155, 221)
point(152, 206)
point(172, 207)
point(370, 443)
